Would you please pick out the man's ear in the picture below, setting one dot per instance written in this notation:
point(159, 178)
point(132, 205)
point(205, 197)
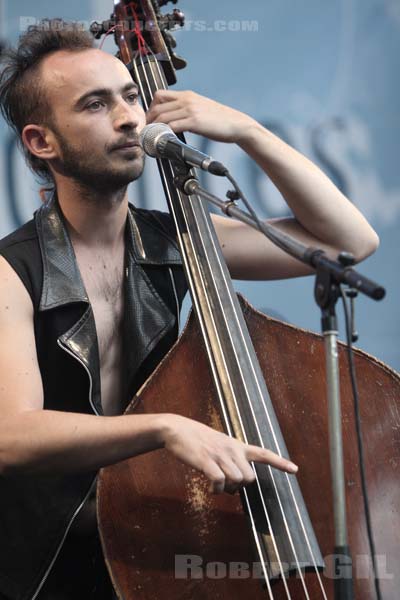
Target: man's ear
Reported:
point(40, 142)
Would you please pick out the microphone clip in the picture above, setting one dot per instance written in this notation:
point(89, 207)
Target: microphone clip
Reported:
point(183, 176)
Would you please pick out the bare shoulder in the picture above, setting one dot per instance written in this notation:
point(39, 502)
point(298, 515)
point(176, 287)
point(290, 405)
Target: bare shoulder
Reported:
point(13, 294)
point(20, 380)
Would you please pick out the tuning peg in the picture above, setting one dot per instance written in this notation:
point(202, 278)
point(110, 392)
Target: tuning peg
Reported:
point(164, 2)
point(178, 17)
point(178, 61)
point(99, 29)
point(172, 20)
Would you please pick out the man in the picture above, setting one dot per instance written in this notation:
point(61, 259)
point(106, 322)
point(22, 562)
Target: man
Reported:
point(83, 309)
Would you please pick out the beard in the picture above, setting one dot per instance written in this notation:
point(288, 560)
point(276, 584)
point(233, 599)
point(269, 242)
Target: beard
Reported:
point(101, 171)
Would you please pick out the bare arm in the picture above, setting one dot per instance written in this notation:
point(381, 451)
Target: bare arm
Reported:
point(36, 440)
point(323, 216)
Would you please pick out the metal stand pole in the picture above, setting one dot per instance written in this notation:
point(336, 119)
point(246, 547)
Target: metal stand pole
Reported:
point(326, 295)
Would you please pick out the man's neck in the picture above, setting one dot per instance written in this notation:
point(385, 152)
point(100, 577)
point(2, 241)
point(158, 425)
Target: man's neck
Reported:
point(95, 219)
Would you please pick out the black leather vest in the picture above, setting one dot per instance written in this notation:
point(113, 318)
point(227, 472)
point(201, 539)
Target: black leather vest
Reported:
point(36, 511)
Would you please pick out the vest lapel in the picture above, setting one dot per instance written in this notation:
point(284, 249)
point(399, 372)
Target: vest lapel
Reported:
point(62, 286)
point(146, 318)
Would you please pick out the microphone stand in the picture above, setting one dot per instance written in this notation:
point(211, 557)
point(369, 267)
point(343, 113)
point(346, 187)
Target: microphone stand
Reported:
point(329, 275)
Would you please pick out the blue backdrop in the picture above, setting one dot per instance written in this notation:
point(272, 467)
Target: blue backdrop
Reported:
point(324, 76)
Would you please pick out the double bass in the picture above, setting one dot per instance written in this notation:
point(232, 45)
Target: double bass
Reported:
point(164, 535)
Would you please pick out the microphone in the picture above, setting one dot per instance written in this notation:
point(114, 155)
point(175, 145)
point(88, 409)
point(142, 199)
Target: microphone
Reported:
point(159, 141)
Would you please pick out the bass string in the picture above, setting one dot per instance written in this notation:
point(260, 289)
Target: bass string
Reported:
point(253, 526)
point(277, 494)
point(150, 95)
point(298, 512)
point(250, 510)
point(277, 448)
point(255, 533)
point(271, 473)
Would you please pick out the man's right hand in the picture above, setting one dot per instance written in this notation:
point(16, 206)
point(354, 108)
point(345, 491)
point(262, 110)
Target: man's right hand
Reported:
point(225, 461)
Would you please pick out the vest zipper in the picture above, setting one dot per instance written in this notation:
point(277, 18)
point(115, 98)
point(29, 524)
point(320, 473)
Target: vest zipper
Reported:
point(57, 552)
point(87, 371)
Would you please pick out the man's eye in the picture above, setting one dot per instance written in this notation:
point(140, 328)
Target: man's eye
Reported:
point(132, 98)
point(95, 105)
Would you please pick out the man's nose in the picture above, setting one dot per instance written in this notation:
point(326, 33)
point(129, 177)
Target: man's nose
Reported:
point(125, 116)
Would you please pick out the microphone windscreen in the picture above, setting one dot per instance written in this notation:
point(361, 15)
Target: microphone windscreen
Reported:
point(150, 135)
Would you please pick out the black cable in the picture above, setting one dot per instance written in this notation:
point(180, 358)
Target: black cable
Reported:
point(349, 328)
point(284, 241)
point(245, 201)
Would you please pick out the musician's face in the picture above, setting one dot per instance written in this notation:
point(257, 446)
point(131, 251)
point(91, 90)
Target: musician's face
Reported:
point(94, 112)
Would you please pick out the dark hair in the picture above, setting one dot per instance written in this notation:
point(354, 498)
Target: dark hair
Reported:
point(22, 96)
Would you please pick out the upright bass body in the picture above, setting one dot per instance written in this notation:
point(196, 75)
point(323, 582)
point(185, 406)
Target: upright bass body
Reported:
point(166, 536)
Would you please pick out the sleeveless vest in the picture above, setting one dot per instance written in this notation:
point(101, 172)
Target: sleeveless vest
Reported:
point(37, 510)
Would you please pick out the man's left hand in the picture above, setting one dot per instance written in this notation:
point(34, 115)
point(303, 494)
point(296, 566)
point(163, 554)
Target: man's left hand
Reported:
point(188, 111)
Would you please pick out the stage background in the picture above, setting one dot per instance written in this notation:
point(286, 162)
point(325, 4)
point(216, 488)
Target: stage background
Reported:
point(322, 75)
